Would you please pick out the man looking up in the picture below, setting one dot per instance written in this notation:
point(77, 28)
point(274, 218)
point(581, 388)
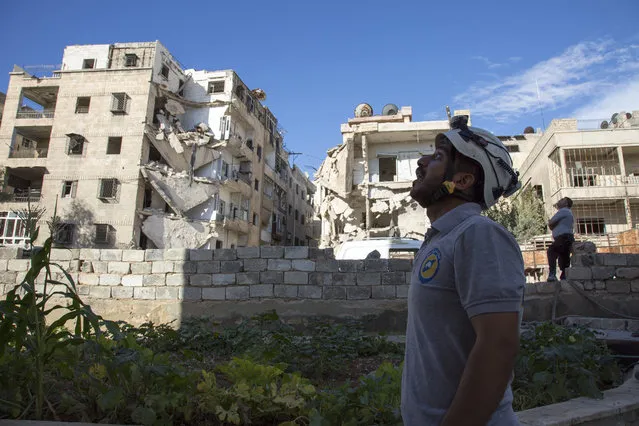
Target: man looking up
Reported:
point(561, 225)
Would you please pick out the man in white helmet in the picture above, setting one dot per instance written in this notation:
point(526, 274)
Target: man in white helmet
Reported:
point(466, 291)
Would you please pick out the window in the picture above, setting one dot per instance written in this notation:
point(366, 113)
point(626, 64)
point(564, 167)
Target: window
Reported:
point(302, 219)
point(216, 86)
point(591, 226)
point(88, 64)
point(225, 169)
point(221, 207)
point(104, 234)
point(297, 214)
point(512, 148)
point(257, 184)
point(249, 144)
point(259, 153)
point(303, 196)
point(218, 244)
point(181, 87)
point(69, 188)
point(297, 241)
point(119, 103)
point(239, 92)
point(64, 233)
point(114, 145)
point(539, 191)
point(165, 71)
point(75, 144)
point(255, 219)
point(108, 189)
point(130, 60)
point(290, 209)
point(82, 105)
point(12, 229)
point(387, 169)
point(297, 189)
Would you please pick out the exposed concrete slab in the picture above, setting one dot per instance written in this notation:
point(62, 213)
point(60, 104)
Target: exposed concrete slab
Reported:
point(167, 232)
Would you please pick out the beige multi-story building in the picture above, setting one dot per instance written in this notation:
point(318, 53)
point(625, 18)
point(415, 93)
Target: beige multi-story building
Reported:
point(304, 229)
point(137, 151)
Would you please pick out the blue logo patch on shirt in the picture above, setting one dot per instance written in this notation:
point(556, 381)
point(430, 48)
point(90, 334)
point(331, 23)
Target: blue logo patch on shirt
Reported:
point(430, 266)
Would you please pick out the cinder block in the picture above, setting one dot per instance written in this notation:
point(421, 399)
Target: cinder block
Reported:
point(320, 254)
point(248, 252)
point(153, 255)
point(255, 265)
point(223, 279)
point(122, 292)
point(261, 290)
point(358, 293)
point(271, 277)
point(409, 277)
point(383, 292)
point(145, 293)
point(369, 278)
point(296, 252)
point(10, 253)
point(133, 255)
point(90, 254)
point(154, 280)
point(350, 265)
point(579, 273)
point(214, 293)
point(529, 289)
point(336, 293)
point(231, 266)
point(200, 254)
point(122, 268)
point(162, 267)
point(3, 264)
point(589, 285)
point(393, 278)
point(200, 280)
point(627, 273)
point(602, 272)
point(599, 284)
point(237, 293)
point(279, 265)
point(267, 252)
point(88, 279)
point(400, 265)
point(187, 267)
point(100, 267)
point(345, 278)
point(167, 293)
point(176, 280)
point(309, 292)
point(295, 277)
point(224, 254)
point(7, 277)
point(20, 276)
point(632, 259)
point(133, 280)
point(618, 286)
point(110, 254)
point(285, 291)
point(191, 293)
point(176, 254)
point(18, 265)
point(58, 254)
point(208, 267)
point(634, 286)
point(320, 278)
point(100, 292)
point(376, 265)
point(401, 291)
point(613, 259)
point(586, 260)
point(141, 268)
point(247, 278)
point(303, 265)
point(547, 288)
point(83, 290)
point(110, 279)
point(330, 265)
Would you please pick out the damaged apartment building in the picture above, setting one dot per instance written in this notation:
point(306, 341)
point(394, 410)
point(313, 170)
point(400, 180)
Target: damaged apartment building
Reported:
point(364, 183)
point(137, 151)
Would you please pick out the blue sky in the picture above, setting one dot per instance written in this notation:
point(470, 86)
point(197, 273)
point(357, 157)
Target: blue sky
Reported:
point(318, 60)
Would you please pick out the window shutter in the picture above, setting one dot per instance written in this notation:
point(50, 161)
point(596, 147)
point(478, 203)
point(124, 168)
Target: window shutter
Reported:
point(74, 187)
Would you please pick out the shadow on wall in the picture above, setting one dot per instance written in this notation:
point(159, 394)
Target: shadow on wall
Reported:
point(79, 214)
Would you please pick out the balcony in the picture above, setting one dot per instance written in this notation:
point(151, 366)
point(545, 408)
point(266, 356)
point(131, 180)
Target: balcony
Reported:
point(35, 114)
point(37, 103)
point(29, 153)
point(24, 184)
point(30, 142)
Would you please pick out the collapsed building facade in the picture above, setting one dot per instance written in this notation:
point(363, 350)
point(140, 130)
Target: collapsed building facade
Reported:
point(137, 151)
point(364, 183)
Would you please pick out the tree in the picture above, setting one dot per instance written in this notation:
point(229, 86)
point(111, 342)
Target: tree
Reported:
point(522, 215)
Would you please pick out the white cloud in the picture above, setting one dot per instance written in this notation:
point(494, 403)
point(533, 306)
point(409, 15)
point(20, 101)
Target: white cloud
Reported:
point(581, 72)
point(623, 97)
point(492, 65)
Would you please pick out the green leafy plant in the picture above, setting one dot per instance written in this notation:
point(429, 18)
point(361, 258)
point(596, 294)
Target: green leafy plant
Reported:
point(523, 215)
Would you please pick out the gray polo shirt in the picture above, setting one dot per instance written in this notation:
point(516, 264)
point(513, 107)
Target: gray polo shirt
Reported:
point(563, 221)
point(470, 266)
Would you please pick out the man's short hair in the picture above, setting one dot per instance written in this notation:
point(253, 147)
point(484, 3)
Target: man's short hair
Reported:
point(568, 202)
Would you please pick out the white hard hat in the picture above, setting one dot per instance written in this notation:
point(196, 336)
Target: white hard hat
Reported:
point(490, 153)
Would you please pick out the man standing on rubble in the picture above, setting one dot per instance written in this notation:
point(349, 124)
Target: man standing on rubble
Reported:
point(466, 290)
point(561, 225)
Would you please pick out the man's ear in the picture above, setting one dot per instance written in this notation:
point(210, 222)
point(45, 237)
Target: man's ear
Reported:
point(463, 180)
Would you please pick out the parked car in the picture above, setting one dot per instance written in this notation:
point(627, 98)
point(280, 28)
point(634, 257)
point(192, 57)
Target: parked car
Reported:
point(388, 248)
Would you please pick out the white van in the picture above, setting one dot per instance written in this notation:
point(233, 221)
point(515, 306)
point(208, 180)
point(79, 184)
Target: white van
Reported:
point(388, 248)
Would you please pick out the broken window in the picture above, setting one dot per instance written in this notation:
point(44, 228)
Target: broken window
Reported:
point(130, 60)
point(114, 145)
point(104, 234)
point(108, 189)
point(249, 144)
point(257, 184)
point(148, 198)
point(181, 87)
point(239, 92)
point(221, 207)
point(303, 196)
point(69, 188)
point(88, 64)
point(165, 71)
point(119, 103)
point(297, 189)
point(539, 191)
point(302, 219)
point(259, 153)
point(64, 233)
point(387, 169)
point(216, 86)
point(82, 105)
point(225, 169)
point(75, 144)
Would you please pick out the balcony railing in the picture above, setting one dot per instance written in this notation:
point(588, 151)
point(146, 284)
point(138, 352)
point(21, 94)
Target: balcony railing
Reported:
point(24, 196)
point(36, 114)
point(29, 153)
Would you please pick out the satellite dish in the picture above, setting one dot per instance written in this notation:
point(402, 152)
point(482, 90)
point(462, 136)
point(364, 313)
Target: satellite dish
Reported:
point(363, 110)
point(528, 130)
point(628, 116)
point(615, 118)
point(603, 125)
point(259, 94)
point(390, 109)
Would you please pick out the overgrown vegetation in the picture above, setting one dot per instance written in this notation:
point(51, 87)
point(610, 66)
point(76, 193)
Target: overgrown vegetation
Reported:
point(523, 215)
point(262, 371)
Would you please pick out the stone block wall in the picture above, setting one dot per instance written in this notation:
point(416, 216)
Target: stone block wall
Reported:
point(614, 273)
